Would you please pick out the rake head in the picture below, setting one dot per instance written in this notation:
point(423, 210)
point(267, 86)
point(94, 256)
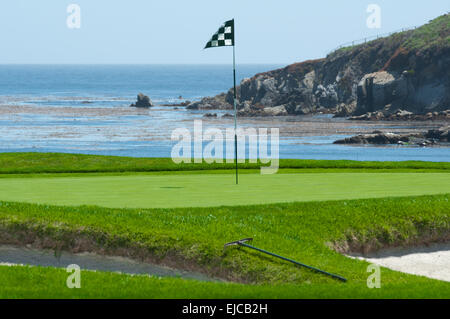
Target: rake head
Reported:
point(237, 242)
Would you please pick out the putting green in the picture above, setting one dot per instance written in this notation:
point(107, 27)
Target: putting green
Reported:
point(191, 190)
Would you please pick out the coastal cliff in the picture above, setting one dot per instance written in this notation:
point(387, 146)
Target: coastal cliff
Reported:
point(407, 71)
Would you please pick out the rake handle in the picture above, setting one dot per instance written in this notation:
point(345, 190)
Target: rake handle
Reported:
point(293, 261)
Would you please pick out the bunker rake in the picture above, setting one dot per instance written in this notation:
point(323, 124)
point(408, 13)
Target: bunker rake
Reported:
point(242, 243)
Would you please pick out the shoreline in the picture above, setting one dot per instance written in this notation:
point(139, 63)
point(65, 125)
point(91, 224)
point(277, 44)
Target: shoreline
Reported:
point(290, 126)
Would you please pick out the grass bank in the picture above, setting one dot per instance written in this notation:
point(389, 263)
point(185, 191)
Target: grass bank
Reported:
point(28, 163)
point(193, 238)
point(37, 282)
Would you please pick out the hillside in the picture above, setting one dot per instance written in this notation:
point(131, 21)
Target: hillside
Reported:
point(407, 71)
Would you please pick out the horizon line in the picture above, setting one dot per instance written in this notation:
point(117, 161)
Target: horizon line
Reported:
point(196, 64)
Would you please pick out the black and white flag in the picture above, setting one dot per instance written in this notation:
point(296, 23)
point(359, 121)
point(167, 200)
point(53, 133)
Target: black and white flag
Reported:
point(223, 37)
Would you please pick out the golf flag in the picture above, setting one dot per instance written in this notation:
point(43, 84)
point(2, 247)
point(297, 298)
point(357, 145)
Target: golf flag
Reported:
point(223, 37)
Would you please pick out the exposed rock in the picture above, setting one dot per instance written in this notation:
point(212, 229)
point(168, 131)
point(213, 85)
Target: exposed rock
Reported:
point(423, 139)
point(248, 110)
point(275, 111)
point(185, 103)
point(210, 115)
point(441, 134)
point(142, 101)
point(371, 116)
point(377, 90)
point(217, 102)
point(402, 115)
point(228, 115)
point(345, 110)
point(386, 138)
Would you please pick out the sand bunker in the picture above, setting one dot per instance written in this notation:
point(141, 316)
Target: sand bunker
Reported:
point(431, 261)
point(12, 255)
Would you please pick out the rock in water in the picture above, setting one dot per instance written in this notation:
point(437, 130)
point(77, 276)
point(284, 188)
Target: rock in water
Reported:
point(142, 101)
point(378, 137)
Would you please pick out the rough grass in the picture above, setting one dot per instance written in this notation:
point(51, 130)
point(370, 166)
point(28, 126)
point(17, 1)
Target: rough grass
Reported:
point(193, 239)
point(433, 35)
point(26, 163)
point(37, 282)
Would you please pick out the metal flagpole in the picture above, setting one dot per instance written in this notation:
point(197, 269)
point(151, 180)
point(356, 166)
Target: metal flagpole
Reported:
point(235, 107)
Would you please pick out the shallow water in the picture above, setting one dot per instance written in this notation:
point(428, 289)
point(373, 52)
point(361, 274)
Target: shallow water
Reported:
point(13, 255)
point(85, 109)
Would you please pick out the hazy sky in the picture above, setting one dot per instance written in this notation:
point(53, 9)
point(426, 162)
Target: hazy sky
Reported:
point(175, 31)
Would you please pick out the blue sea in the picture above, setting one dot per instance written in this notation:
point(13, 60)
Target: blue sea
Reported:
point(85, 109)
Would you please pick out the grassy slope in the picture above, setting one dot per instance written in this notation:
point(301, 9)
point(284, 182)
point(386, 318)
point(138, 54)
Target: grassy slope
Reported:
point(433, 35)
point(24, 163)
point(164, 191)
point(196, 237)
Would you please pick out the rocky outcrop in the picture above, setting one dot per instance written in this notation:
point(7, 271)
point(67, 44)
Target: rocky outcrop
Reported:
point(210, 115)
point(423, 139)
point(377, 138)
point(257, 110)
point(217, 102)
point(345, 110)
point(181, 104)
point(286, 91)
point(142, 101)
point(402, 115)
point(406, 71)
point(441, 134)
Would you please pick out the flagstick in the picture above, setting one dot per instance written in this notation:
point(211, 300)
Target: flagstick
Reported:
point(235, 115)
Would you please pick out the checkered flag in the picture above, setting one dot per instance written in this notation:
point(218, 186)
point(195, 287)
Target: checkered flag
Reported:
point(223, 37)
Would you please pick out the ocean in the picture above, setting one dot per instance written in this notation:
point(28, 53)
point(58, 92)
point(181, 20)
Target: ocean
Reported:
point(85, 109)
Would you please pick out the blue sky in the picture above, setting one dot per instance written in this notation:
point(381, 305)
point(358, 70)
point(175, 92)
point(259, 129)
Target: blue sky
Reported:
point(175, 31)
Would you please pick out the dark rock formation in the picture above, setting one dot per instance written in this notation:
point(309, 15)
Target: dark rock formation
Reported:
point(344, 110)
point(142, 101)
point(185, 103)
point(217, 102)
point(402, 115)
point(210, 115)
point(441, 134)
point(375, 138)
point(429, 138)
point(405, 71)
point(258, 110)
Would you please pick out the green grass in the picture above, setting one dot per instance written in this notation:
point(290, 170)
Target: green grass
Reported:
point(26, 163)
point(37, 283)
point(195, 190)
point(436, 33)
point(195, 236)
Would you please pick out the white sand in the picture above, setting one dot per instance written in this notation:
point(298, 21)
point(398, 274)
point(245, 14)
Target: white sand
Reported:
point(432, 261)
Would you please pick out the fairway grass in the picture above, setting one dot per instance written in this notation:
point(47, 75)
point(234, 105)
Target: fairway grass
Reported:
point(203, 190)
